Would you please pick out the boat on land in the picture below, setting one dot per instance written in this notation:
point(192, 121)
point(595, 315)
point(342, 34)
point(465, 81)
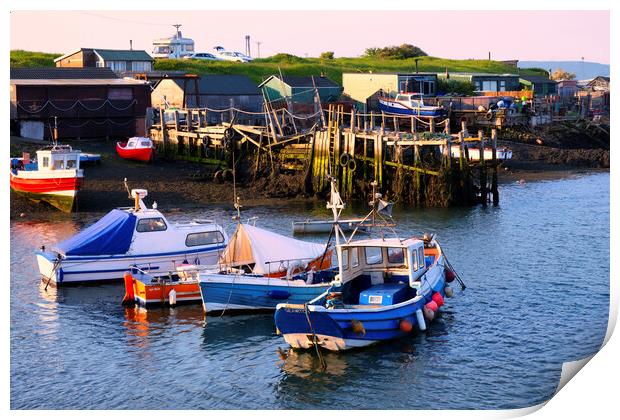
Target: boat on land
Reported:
point(90, 158)
point(54, 177)
point(136, 148)
point(501, 153)
point(384, 288)
point(409, 104)
point(259, 269)
point(135, 236)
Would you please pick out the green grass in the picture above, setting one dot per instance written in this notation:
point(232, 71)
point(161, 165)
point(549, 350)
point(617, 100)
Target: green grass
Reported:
point(260, 69)
point(21, 58)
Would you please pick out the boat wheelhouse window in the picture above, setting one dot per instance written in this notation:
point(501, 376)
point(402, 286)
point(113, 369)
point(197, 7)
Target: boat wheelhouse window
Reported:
point(345, 259)
point(374, 255)
point(396, 256)
point(204, 238)
point(59, 163)
point(71, 163)
point(152, 224)
point(145, 143)
point(414, 260)
point(421, 261)
point(46, 162)
point(130, 143)
point(355, 258)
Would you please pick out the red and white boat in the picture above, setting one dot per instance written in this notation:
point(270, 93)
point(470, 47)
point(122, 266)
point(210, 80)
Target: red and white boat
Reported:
point(55, 177)
point(136, 148)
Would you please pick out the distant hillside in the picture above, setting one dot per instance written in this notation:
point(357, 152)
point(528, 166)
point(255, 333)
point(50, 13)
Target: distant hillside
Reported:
point(260, 69)
point(583, 70)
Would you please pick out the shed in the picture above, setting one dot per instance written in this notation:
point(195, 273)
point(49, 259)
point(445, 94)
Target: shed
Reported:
point(87, 102)
point(567, 88)
point(117, 60)
point(362, 87)
point(301, 88)
point(486, 82)
point(213, 91)
point(541, 85)
point(599, 83)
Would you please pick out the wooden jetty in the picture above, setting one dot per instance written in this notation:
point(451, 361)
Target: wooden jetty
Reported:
point(408, 156)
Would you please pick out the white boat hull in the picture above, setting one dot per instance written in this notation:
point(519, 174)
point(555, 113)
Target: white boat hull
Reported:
point(97, 269)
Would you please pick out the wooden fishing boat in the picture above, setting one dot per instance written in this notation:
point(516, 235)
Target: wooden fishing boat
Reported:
point(148, 290)
point(384, 289)
point(409, 104)
point(136, 148)
point(136, 236)
point(55, 177)
point(259, 269)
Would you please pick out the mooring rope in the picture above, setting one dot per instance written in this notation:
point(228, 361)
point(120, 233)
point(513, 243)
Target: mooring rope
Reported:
point(314, 339)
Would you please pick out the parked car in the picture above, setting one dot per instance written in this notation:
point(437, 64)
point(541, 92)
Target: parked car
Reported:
point(222, 54)
point(201, 56)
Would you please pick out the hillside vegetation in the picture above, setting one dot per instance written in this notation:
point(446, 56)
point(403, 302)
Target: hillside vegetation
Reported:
point(260, 69)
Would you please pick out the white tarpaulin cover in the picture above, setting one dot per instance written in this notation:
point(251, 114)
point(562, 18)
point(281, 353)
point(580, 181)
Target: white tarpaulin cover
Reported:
point(253, 245)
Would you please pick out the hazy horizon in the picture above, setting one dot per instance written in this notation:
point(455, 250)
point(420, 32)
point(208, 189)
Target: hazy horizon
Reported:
point(541, 35)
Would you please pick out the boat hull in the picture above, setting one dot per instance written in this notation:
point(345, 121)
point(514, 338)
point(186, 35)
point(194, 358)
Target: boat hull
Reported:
point(394, 107)
point(79, 270)
point(334, 329)
point(221, 292)
point(60, 192)
point(147, 293)
point(140, 154)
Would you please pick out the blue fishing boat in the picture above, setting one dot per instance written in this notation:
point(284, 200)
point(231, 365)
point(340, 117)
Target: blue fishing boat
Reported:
point(409, 104)
point(259, 269)
point(384, 288)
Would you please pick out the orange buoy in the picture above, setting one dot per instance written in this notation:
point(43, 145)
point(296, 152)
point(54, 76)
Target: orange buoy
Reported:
point(432, 305)
point(129, 291)
point(438, 299)
point(405, 326)
point(450, 276)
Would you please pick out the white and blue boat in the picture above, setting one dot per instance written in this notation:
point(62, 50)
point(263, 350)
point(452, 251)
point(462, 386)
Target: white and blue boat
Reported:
point(137, 236)
point(385, 287)
point(409, 104)
point(260, 269)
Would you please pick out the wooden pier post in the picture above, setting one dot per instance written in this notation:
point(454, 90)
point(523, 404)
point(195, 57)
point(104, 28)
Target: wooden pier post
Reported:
point(416, 176)
point(431, 127)
point(352, 125)
point(494, 190)
point(483, 170)
point(382, 122)
point(461, 151)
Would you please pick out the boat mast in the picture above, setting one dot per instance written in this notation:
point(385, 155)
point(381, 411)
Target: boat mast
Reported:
point(336, 205)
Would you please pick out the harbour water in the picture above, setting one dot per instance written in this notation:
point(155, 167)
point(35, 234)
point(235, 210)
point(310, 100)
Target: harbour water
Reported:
point(537, 271)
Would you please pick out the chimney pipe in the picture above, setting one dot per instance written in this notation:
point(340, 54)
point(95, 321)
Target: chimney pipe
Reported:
point(131, 45)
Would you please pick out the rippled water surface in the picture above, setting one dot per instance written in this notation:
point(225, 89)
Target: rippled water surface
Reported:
point(537, 271)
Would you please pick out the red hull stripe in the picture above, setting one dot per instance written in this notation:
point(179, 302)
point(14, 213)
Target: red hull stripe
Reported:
point(40, 186)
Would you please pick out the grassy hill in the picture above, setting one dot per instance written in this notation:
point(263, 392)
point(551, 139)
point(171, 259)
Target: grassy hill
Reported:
point(260, 69)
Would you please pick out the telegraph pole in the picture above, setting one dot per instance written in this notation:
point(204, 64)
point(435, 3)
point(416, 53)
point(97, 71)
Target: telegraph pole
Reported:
point(258, 47)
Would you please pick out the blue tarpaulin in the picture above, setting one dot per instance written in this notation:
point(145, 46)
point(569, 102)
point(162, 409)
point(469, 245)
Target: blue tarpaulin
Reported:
point(109, 236)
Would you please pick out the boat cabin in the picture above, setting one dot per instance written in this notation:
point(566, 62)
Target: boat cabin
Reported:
point(382, 271)
point(413, 100)
point(139, 143)
point(58, 158)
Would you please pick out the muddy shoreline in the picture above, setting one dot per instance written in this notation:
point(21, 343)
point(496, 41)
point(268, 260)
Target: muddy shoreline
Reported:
point(183, 185)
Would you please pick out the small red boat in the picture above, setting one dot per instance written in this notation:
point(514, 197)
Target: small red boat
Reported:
point(136, 148)
point(55, 177)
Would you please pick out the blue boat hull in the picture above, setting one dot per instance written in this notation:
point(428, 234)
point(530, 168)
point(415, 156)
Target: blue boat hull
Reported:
point(422, 112)
point(334, 328)
point(240, 296)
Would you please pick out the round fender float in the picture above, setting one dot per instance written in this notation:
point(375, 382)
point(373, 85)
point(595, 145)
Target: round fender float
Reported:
point(450, 276)
point(352, 165)
point(429, 314)
point(448, 291)
point(405, 326)
point(438, 299)
point(229, 133)
point(432, 305)
point(358, 327)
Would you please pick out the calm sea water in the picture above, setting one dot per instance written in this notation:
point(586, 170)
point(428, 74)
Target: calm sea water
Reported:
point(537, 271)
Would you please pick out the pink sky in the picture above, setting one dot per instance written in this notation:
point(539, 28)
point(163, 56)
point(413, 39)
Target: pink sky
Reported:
point(523, 35)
